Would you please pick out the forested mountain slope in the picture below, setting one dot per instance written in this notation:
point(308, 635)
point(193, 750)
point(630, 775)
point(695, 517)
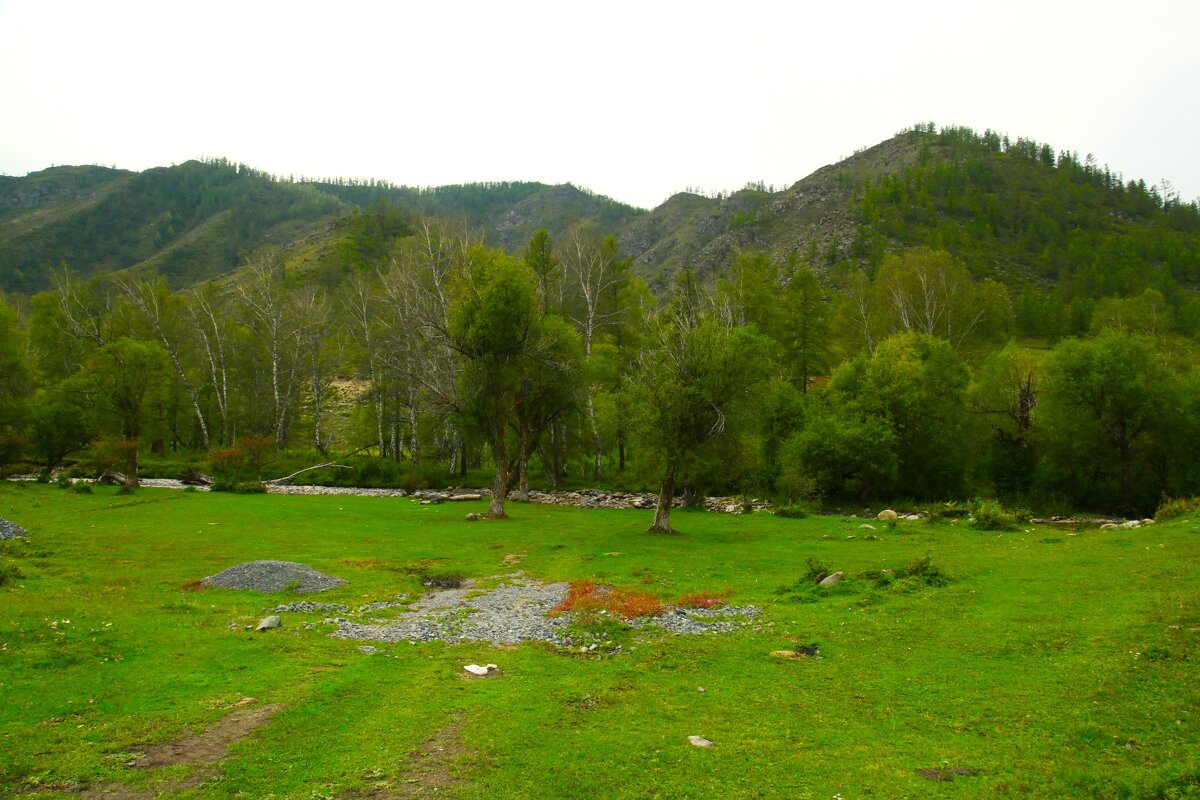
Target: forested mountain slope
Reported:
point(1016, 211)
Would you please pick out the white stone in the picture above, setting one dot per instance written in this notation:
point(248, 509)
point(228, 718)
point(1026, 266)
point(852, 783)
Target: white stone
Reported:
point(699, 741)
point(866, 527)
point(269, 622)
point(475, 669)
point(831, 580)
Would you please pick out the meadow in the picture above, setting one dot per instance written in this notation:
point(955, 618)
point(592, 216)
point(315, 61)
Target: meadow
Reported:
point(1040, 663)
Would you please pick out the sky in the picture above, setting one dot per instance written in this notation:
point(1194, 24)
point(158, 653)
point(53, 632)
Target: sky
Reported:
point(634, 100)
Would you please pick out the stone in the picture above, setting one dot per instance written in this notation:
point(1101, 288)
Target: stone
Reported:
point(267, 623)
point(887, 515)
point(1147, 521)
point(866, 527)
point(481, 671)
point(699, 741)
point(1109, 526)
point(246, 701)
point(1130, 525)
point(368, 650)
point(472, 517)
point(831, 580)
point(911, 517)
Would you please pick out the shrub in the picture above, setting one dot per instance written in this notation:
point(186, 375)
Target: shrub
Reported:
point(1174, 506)
point(241, 463)
point(702, 600)
point(81, 488)
point(588, 599)
point(791, 512)
point(9, 572)
point(989, 515)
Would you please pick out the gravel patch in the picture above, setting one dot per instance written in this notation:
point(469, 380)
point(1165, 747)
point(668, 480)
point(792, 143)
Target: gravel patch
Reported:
point(726, 619)
point(308, 607)
point(517, 611)
point(10, 530)
point(273, 576)
point(511, 613)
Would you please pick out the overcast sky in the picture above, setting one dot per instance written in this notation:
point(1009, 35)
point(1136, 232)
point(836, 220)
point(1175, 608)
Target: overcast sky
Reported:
point(636, 100)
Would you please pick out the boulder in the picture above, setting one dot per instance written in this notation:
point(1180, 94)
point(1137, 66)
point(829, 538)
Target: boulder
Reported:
point(267, 623)
point(831, 580)
point(887, 515)
point(1109, 526)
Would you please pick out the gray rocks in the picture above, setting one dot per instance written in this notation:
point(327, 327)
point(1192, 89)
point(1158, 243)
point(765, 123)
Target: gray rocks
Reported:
point(367, 649)
point(273, 576)
point(10, 530)
point(725, 619)
point(511, 613)
point(308, 607)
point(832, 580)
point(699, 741)
point(267, 623)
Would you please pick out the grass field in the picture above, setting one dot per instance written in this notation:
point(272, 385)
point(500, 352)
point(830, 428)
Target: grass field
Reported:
point(1052, 664)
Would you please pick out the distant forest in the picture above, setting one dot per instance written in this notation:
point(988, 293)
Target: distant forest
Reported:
point(1007, 321)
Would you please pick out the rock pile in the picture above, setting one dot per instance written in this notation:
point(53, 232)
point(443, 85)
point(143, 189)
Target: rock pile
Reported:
point(10, 530)
point(273, 576)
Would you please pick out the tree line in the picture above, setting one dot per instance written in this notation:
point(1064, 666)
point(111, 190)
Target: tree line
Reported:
point(432, 351)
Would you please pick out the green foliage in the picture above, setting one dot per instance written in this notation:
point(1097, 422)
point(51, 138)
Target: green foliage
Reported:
point(989, 515)
point(239, 467)
point(1172, 507)
point(1107, 401)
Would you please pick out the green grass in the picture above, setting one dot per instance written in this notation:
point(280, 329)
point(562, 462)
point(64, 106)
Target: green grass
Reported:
point(1055, 665)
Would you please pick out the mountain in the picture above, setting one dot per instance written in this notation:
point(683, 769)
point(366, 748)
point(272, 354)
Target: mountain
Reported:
point(1013, 210)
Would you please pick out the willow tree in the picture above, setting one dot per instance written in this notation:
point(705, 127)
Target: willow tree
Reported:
point(492, 325)
point(691, 383)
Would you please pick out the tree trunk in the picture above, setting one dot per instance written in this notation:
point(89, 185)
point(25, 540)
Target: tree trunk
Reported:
point(523, 468)
point(500, 485)
point(596, 441)
point(666, 498)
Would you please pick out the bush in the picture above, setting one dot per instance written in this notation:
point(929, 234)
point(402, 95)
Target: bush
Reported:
point(81, 488)
point(239, 487)
point(588, 600)
point(917, 574)
point(702, 600)
point(989, 515)
point(9, 572)
point(241, 463)
point(791, 512)
point(1174, 506)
